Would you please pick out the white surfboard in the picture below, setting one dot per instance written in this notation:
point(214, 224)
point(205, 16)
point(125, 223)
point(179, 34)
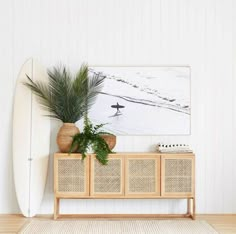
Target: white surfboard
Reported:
point(31, 141)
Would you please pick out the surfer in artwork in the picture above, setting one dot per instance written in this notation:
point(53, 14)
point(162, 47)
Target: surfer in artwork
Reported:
point(117, 107)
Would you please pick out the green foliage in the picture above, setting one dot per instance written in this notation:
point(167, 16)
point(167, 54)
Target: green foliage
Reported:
point(66, 97)
point(91, 136)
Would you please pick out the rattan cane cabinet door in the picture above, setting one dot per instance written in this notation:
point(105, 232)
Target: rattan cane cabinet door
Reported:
point(107, 180)
point(142, 176)
point(71, 175)
point(177, 175)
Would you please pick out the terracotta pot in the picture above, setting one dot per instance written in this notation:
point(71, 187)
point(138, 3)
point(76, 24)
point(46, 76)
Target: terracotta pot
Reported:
point(110, 140)
point(65, 135)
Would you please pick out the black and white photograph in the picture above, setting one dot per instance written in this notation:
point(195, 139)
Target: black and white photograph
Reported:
point(140, 100)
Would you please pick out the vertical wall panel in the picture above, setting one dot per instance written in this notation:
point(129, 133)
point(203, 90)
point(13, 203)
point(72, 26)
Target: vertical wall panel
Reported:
point(227, 121)
point(7, 194)
point(233, 89)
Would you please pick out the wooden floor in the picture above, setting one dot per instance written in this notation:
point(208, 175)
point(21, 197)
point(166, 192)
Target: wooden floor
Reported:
point(224, 224)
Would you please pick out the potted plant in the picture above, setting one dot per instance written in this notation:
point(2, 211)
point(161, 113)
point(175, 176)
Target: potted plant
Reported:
point(67, 98)
point(91, 141)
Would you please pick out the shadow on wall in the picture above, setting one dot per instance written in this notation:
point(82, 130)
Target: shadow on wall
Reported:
point(12, 200)
point(48, 199)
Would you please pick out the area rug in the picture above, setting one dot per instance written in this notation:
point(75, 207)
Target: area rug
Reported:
point(118, 227)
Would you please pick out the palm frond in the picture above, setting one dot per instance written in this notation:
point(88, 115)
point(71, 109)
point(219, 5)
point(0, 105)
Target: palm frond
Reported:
point(66, 101)
point(65, 97)
point(95, 85)
point(42, 93)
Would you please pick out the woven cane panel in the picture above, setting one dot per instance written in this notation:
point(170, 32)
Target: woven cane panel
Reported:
point(71, 175)
point(178, 175)
point(107, 178)
point(142, 175)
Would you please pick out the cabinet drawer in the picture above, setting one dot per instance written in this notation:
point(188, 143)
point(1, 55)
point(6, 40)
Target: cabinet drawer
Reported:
point(142, 176)
point(107, 180)
point(71, 175)
point(177, 177)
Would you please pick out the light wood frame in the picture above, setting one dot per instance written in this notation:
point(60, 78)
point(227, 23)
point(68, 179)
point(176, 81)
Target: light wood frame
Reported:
point(190, 197)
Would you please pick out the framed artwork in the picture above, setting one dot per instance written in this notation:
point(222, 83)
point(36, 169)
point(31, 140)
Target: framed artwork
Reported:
point(138, 100)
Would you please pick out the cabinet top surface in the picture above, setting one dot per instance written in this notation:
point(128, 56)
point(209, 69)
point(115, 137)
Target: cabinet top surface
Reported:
point(130, 154)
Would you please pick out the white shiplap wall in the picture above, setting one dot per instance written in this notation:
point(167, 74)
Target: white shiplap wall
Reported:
point(129, 32)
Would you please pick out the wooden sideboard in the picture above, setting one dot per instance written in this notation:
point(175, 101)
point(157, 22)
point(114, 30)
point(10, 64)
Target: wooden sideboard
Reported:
point(127, 176)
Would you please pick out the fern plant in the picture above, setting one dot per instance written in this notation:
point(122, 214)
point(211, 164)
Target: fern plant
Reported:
point(67, 97)
point(91, 137)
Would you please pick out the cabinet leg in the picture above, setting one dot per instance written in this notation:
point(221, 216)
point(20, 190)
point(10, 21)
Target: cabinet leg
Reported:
point(193, 214)
point(188, 206)
point(191, 207)
point(56, 207)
